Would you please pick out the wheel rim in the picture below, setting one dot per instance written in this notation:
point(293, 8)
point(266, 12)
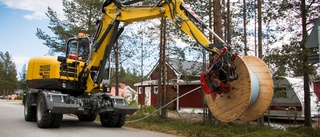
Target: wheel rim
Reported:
point(39, 110)
point(26, 108)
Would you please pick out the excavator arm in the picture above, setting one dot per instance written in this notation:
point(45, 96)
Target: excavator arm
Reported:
point(116, 12)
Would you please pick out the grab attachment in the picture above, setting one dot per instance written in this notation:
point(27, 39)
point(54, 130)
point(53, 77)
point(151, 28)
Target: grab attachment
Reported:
point(222, 71)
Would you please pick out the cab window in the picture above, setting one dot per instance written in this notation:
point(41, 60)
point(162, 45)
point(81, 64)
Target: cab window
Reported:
point(78, 49)
point(72, 47)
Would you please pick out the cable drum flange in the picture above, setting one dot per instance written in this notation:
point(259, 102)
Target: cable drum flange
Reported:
point(262, 72)
point(244, 101)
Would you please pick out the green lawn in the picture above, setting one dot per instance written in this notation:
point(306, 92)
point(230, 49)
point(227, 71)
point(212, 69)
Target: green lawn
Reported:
point(187, 127)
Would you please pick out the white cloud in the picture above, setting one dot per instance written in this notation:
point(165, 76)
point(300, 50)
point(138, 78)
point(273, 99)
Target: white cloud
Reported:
point(19, 61)
point(38, 8)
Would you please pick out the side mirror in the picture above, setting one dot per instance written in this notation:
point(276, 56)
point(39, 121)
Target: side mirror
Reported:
point(63, 61)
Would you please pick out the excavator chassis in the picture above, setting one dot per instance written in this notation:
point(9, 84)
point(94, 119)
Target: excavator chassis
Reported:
point(55, 103)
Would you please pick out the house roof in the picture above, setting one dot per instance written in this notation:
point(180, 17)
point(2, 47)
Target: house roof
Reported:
point(182, 67)
point(145, 83)
point(128, 89)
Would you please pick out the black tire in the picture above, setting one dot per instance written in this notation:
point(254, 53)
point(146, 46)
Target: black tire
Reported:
point(109, 120)
point(57, 120)
point(121, 121)
point(29, 111)
point(24, 98)
point(44, 118)
point(82, 118)
point(87, 118)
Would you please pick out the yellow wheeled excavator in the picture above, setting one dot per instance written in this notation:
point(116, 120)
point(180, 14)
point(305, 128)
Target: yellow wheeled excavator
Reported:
point(235, 87)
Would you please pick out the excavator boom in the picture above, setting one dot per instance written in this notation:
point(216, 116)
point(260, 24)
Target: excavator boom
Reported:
point(115, 12)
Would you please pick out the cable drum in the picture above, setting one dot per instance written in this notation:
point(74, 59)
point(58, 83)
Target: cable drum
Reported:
point(255, 88)
point(249, 96)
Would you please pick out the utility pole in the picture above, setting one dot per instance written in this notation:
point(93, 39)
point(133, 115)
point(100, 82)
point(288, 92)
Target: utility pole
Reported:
point(260, 120)
point(162, 95)
point(217, 15)
point(228, 23)
point(205, 116)
point(307, 107)
point(142, 63)
point(255, 30)
point(245, 27)
point(217, 19)
point(160, 90)
point(206, 112)
point(164, 70)
point(259, 30)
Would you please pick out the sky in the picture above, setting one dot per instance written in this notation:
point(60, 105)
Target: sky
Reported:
point(19, 20)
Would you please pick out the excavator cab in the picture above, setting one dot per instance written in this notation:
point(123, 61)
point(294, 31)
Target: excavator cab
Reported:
point(78, 48)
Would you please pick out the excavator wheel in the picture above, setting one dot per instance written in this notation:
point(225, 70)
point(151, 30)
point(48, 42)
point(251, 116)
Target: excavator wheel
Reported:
point(29, 111)
point(87, 118)
point(112, 120)
point(57, 119)
point(121, 121)
point(44, 118)
point(249, 96)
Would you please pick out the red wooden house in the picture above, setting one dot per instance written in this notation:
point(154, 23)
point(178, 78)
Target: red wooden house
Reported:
point(316, 88)
point(182, 76)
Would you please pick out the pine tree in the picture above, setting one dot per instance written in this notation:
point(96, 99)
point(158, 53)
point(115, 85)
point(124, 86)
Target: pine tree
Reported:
point(286, 57)
point(2, 78)
point(23, 78)
point(8, 72)
point(80, 16)
point(301, 14)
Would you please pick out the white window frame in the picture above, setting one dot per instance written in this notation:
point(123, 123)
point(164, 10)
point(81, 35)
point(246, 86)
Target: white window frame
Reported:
point(155, 90)
point(140, 90)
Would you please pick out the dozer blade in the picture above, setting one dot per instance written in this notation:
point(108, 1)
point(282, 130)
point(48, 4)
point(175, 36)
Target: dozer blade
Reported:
point(61, 108)
point(128, 110)
point(241, 102)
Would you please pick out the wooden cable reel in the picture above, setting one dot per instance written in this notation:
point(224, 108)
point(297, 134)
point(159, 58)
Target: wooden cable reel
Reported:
point(249, 96)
